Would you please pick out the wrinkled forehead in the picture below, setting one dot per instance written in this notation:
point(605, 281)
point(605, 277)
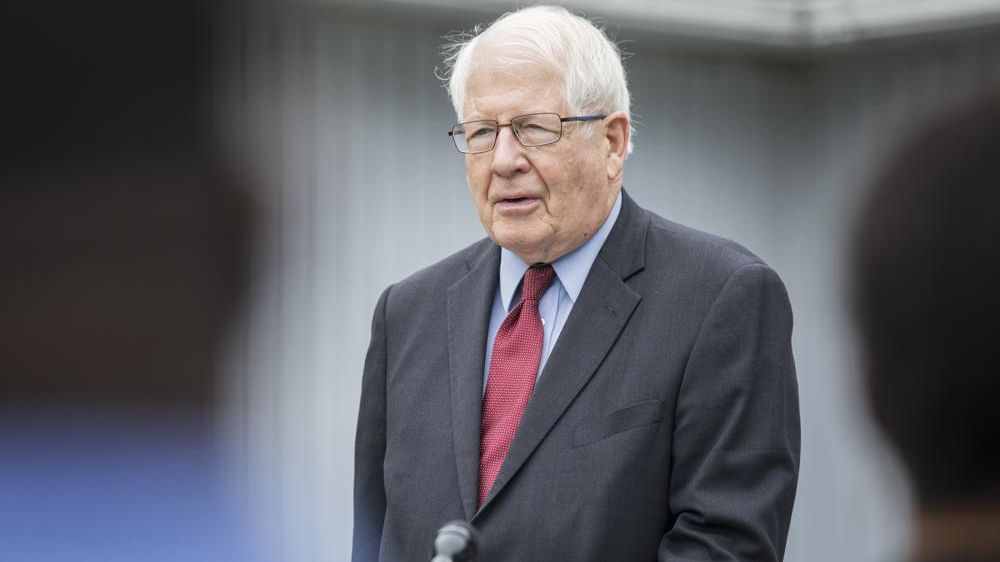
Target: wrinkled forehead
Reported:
point(505, 72)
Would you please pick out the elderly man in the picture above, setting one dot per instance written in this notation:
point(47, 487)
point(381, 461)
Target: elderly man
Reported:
point(591, 382)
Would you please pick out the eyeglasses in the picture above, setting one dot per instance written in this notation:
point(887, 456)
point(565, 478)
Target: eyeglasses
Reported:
point(535, 129)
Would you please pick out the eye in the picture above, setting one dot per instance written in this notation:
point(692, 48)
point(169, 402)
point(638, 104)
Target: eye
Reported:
point(537, 126)
point(479, 131)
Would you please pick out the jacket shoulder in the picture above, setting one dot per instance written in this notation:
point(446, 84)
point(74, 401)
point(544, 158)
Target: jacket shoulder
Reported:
point(437, 277)
point(695, 248)
point(700, 265)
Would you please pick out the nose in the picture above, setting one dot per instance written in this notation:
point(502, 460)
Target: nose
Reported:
point(508, 154)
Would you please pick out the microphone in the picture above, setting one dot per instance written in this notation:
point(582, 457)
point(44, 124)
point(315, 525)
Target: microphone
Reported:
point(455, 542)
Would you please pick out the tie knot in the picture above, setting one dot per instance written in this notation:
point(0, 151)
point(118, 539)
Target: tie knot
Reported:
point(536, 280)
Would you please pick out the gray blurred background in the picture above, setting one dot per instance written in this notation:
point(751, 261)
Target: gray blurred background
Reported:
point(759, 120)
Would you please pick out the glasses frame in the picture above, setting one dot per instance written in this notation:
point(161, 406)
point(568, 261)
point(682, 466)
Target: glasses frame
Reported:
point(581, 118)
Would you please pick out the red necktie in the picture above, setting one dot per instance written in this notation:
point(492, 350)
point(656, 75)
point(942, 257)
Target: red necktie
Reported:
point(517, 351)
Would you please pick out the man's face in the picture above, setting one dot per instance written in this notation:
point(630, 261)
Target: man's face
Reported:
point(541, 202)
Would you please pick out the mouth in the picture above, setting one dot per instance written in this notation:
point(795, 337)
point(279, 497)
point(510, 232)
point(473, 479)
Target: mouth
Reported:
point(515, 204)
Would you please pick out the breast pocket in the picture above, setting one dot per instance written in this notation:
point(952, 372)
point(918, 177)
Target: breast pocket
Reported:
point(642, 414)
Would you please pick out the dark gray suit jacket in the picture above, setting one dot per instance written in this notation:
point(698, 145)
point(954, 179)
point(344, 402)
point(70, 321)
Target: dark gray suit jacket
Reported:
point(665, 425)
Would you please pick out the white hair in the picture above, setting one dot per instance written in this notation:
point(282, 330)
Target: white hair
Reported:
point(550, 36)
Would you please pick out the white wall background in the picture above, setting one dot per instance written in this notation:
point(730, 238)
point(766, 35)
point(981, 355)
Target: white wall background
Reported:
point(341, 114)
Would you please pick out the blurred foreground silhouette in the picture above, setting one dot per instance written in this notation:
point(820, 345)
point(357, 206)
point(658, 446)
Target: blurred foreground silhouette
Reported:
point(123, 249)
point(926, 286)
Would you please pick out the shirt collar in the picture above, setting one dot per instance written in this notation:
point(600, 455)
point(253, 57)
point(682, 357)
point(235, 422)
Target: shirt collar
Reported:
point(571, 269)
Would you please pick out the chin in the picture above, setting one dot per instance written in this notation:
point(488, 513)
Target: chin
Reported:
point(520, 245)
point(516, 244)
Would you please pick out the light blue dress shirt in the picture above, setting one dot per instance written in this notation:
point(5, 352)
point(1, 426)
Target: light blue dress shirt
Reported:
point(557, 302)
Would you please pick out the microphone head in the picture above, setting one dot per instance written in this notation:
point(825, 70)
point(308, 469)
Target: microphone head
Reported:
point(455, 542)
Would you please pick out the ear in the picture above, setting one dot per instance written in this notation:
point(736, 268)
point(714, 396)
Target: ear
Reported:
point(617, 136)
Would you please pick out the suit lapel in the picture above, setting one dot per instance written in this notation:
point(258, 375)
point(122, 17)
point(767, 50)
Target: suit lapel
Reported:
point(470, 300)
point(602, 310)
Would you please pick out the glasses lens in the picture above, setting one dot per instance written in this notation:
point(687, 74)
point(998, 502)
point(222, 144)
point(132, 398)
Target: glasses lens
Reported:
point(537, 129)
point(475, 136)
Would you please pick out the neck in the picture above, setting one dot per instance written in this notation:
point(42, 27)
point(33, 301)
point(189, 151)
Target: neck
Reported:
point(967, 532)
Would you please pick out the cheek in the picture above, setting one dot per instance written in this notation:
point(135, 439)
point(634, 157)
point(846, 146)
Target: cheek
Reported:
point(567, 184)
point(580, 193)
point(478, 177)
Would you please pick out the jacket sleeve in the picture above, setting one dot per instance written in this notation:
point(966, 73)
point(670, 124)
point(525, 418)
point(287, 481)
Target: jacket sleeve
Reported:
point(736, 433)
point(369, 445)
